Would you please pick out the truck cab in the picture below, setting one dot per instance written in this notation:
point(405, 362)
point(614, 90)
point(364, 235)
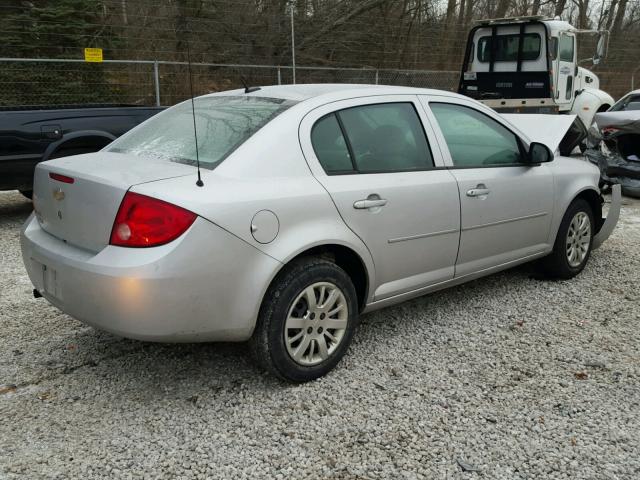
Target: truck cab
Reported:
point(530, 65)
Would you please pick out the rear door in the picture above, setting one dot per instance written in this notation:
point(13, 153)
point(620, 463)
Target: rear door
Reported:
point(378, 162)
point(506, 204)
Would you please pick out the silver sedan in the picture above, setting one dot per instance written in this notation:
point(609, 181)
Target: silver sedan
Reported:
point(317, 203)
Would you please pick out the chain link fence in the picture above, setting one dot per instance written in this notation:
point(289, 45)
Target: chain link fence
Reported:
point(51, 82)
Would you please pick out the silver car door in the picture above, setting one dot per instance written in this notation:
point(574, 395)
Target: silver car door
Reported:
point(506, 204)
point(372, 156)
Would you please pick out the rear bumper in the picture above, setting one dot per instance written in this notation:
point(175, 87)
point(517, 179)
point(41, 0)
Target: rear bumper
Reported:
point(206, 285)
point(612, 218)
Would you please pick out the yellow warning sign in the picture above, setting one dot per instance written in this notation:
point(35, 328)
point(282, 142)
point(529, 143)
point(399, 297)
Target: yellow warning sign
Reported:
point(93, 55)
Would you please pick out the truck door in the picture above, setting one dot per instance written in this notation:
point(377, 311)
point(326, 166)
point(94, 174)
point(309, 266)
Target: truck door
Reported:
point(565, 75)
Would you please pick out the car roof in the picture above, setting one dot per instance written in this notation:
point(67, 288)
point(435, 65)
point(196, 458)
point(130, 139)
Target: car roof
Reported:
point(332, 91)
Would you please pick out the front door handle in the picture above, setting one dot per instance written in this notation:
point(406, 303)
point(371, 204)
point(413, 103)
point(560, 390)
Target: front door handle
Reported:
point(371, 201)
point(481, 189)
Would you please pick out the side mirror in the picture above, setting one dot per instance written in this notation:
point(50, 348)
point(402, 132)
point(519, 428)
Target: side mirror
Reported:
point(601, 48)
point(539, 153)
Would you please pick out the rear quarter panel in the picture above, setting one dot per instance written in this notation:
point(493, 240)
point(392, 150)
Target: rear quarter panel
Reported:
point(268, 172)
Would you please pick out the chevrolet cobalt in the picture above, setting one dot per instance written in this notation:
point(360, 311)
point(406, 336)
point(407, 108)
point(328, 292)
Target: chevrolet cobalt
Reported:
point(316, 203)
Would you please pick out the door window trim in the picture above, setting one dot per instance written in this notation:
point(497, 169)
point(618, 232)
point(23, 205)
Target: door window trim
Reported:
point(336, 114)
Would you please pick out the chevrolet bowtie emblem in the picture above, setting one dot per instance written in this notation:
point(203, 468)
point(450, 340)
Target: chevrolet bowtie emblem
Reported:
point(58, 194)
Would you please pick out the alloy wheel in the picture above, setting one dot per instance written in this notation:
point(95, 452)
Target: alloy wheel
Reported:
point(316, 323)
point(578, 239)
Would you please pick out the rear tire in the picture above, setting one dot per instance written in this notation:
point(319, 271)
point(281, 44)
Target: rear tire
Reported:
point(572, 248)
point(306, 322)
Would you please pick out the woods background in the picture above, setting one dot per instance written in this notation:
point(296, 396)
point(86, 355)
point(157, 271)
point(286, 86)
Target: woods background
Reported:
point(392, 36)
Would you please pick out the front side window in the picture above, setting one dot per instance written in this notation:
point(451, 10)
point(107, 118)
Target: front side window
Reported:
point(474, 139)
point(506, 47)
point(566, 48)
point(385, 137)
point(630, 102)
point(223, 124)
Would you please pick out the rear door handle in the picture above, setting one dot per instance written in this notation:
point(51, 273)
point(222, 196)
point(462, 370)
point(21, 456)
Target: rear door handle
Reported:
point(481, 189)
point(370, 202)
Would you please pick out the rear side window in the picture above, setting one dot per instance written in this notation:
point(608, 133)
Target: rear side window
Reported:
point(330, 146)
point(566, 48)
point(385, 137)
point(553, 47)
point(474, 139)
point(507, 47)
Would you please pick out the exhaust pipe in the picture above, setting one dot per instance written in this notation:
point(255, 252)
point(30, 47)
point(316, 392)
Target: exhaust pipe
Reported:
point(36, 294)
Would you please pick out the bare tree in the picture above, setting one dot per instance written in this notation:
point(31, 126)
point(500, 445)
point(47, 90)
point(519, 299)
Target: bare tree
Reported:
point(617, 23)
point(560, 5)
point(502, 8)
point(583, 13)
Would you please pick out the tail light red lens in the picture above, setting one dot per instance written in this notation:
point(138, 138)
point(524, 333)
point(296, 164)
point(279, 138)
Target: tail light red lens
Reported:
point(148, 222)
point(60, 178)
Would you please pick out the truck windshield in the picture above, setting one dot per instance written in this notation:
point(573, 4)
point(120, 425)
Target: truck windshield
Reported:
point(223, 124)
point(506, 47)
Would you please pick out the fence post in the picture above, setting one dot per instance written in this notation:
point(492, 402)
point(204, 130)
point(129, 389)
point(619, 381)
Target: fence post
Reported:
point(376, 77)
point(156, 82)
point(293, 45)
point(279, 76)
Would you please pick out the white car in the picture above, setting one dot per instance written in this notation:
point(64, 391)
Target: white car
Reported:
point(317, 203)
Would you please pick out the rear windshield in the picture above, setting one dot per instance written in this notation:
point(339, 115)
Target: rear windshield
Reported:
point(507, 47)
point(223, 124)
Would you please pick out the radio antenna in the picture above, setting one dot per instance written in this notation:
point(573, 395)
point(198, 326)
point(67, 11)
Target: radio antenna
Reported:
point(199, 182)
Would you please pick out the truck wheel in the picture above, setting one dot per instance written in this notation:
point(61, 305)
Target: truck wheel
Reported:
point(27, 193)
point(572, 247)
point(306, 322)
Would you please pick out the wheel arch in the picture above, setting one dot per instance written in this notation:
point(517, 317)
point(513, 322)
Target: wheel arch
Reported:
point(593, 198)
point(91, 140)
point(345, 257)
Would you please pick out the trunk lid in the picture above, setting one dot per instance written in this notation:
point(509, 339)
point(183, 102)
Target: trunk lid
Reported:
point(82, 213)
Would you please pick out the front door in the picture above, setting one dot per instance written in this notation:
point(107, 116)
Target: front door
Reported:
point(377, 164)
point(506, 204)
point(565, 76)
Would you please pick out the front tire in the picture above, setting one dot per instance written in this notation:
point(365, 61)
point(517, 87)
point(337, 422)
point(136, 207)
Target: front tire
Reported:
point(306, 322)
point(572, 247)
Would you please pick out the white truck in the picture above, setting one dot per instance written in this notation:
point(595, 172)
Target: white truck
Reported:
point(530, 65)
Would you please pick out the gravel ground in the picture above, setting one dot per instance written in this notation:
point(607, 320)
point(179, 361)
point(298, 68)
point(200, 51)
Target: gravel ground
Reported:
point(506, 377)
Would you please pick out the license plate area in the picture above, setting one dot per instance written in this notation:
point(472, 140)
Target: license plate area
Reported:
point(47, 279)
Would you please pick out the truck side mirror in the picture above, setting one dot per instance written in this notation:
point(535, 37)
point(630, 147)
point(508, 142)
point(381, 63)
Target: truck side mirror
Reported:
point(601, 48)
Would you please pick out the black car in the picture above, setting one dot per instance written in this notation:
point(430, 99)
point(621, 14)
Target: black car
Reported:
point(29, 135)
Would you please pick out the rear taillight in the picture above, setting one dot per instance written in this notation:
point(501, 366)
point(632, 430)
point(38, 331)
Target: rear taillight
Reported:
point(61, 178)
point(610, 130)
point(148, 222)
